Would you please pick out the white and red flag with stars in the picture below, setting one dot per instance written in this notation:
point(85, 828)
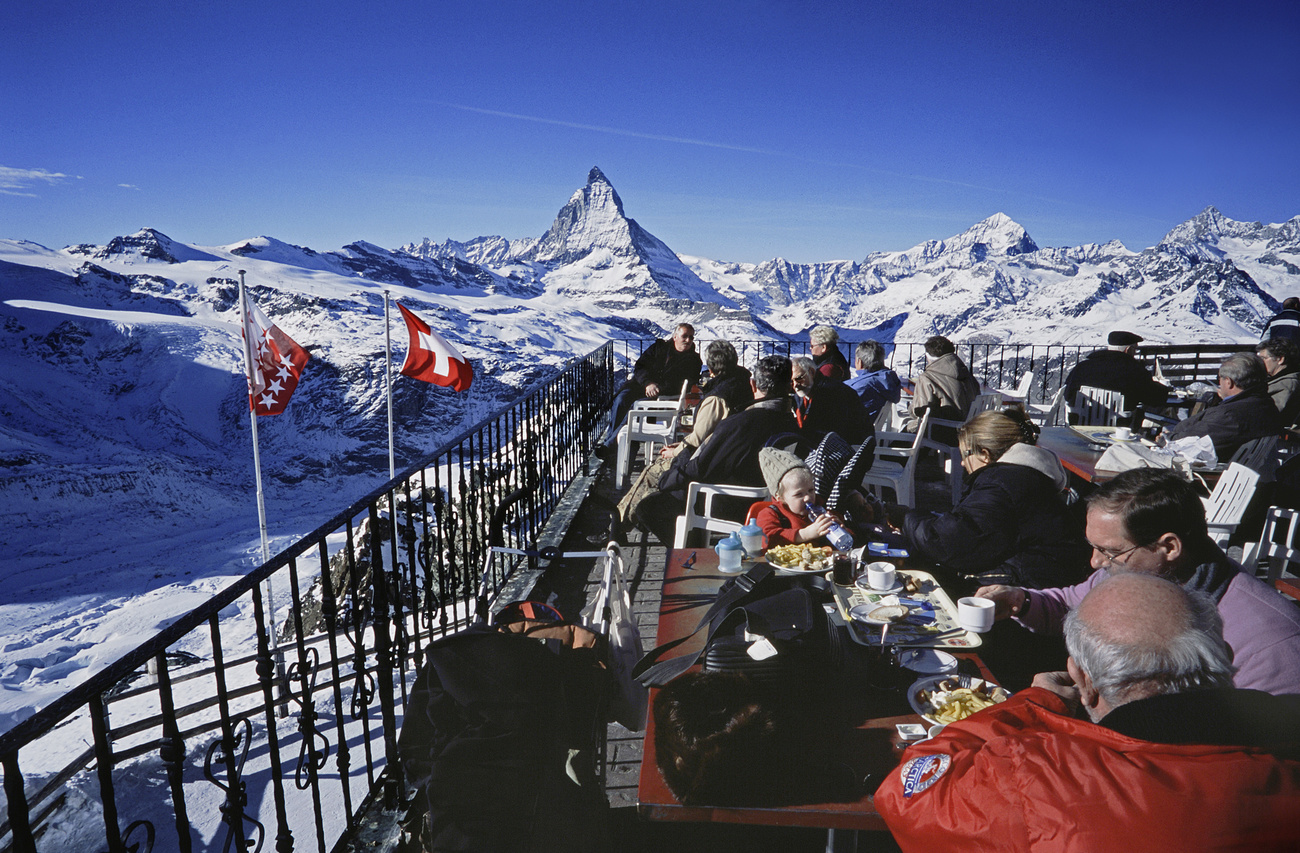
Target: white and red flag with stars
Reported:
point(274, 365)
point(430, 358)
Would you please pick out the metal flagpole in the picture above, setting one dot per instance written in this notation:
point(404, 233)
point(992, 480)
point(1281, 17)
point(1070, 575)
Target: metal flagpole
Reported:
point(252, 413)
point(261, 500)
point(388, 379)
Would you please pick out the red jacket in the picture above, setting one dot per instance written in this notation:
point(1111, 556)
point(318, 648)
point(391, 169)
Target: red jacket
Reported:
point(1023, 776)
point(779, 523)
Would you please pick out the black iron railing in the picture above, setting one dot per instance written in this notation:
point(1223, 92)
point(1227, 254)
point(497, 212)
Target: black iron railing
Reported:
point(999, 366)
point(274, 708)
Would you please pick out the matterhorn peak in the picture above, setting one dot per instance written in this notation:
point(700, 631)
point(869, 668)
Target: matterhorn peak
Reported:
point(592, 219)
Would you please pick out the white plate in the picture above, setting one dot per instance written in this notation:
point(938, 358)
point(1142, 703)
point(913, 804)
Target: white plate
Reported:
point(928, 661)
point(859, 613)
point(931, 682)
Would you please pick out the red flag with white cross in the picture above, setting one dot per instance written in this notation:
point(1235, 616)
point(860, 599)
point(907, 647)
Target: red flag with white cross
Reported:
point(430, 358)
point(276, 363)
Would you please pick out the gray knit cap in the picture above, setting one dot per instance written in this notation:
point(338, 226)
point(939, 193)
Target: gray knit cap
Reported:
point(775, 464)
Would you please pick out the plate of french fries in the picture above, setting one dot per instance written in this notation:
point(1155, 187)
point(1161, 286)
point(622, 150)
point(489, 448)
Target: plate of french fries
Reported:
point(943, 699)
point(801, 558)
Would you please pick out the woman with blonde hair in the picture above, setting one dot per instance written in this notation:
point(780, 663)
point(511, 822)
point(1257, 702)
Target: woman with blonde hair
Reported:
point(1013, 523)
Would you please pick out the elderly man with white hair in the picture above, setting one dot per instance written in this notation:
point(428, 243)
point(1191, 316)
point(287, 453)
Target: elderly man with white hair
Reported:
point(1144, 744)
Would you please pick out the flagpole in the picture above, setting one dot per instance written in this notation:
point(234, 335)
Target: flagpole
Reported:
point(388, 381)
point(252, 413)
point(282, 711)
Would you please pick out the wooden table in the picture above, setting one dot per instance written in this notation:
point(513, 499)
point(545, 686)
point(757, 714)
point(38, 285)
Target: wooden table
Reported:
point(873, 748)
point(1077, 453)
point(1080, 456)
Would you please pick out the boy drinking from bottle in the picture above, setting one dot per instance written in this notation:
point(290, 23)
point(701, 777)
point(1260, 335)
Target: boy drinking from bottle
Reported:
point(786, 518)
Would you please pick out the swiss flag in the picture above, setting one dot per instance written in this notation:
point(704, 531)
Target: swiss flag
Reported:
point(430, 358)
point(276, 364)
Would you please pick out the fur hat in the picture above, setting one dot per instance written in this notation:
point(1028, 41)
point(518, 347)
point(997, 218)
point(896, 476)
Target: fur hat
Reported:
point(775, 464)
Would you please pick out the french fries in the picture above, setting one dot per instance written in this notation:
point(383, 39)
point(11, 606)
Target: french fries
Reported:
point(951, 703)
point(803, 557)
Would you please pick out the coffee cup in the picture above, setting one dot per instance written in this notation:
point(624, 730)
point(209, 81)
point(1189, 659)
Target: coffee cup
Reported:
point(881, 576)
point(975, 614)
point(1123, 433)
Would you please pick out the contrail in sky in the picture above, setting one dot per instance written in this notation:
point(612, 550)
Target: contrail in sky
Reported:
point(614, 130)
point(751, 150)
point(706, 144)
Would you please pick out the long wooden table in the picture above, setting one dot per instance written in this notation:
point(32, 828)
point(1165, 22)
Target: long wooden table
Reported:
point(872, 748)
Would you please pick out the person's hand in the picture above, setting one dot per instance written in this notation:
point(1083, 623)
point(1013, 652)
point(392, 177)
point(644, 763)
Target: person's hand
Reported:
point(652, 390)
point(820, 527)
point(671, 450)
point(1062, 685)
point(894, 515)
point(1005, 599)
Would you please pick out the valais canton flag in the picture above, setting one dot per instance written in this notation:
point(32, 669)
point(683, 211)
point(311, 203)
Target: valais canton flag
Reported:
point(276, 364)
point(430, 358)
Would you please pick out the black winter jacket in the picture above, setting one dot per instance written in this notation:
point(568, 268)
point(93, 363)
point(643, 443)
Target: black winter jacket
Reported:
point(1011, 519)
point(1233, 422)
point(730, 454)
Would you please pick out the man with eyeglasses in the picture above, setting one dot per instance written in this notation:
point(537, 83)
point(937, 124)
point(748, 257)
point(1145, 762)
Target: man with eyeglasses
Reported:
point(1151, 521)
point(1244, 410)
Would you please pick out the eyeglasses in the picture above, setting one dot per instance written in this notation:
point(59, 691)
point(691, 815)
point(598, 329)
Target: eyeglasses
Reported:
point(1111, 555)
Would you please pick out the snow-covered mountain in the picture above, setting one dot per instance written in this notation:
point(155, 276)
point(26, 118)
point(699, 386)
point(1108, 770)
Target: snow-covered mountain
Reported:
point(124, 436)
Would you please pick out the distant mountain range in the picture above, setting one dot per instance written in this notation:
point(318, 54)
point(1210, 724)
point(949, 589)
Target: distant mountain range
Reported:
point(125, 455)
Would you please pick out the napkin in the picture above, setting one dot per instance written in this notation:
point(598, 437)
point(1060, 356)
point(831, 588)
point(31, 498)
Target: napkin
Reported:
point(1195, 448)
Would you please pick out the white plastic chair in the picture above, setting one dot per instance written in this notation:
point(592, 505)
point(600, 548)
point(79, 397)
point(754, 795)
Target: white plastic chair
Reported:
point(705, 519)
point(1279, 554)
point(1055, 413)
point(1099, 406)
point(651, 422)
point(1227, 504)
point(1021, 393)
point(952, 461)
point(895, 465)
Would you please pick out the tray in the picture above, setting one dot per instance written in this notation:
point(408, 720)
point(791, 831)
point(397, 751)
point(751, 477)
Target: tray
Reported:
point(933, 625)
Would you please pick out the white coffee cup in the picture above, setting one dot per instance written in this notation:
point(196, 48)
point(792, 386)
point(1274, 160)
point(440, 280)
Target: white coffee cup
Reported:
point(1123, 433)
point(975, 614)
point(881, 575)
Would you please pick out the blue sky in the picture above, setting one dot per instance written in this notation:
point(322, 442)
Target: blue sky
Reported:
point(737, 131)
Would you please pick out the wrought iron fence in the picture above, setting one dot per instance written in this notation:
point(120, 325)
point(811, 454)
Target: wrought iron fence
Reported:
point(274, 707)
point(999, 366)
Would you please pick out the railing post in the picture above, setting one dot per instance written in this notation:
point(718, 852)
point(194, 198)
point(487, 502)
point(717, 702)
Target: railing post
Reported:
point(394, 787)
point(19, 815)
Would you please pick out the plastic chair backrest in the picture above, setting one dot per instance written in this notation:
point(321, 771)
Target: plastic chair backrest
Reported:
point(705, 519)
point(1227, 503)
point(1098, 406)
point(1279, 553)
point(984, 403)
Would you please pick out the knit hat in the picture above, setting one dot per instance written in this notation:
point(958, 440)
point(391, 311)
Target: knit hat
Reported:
point(775, 464)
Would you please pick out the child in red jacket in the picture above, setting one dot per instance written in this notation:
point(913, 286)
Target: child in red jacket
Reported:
point(785, 518)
